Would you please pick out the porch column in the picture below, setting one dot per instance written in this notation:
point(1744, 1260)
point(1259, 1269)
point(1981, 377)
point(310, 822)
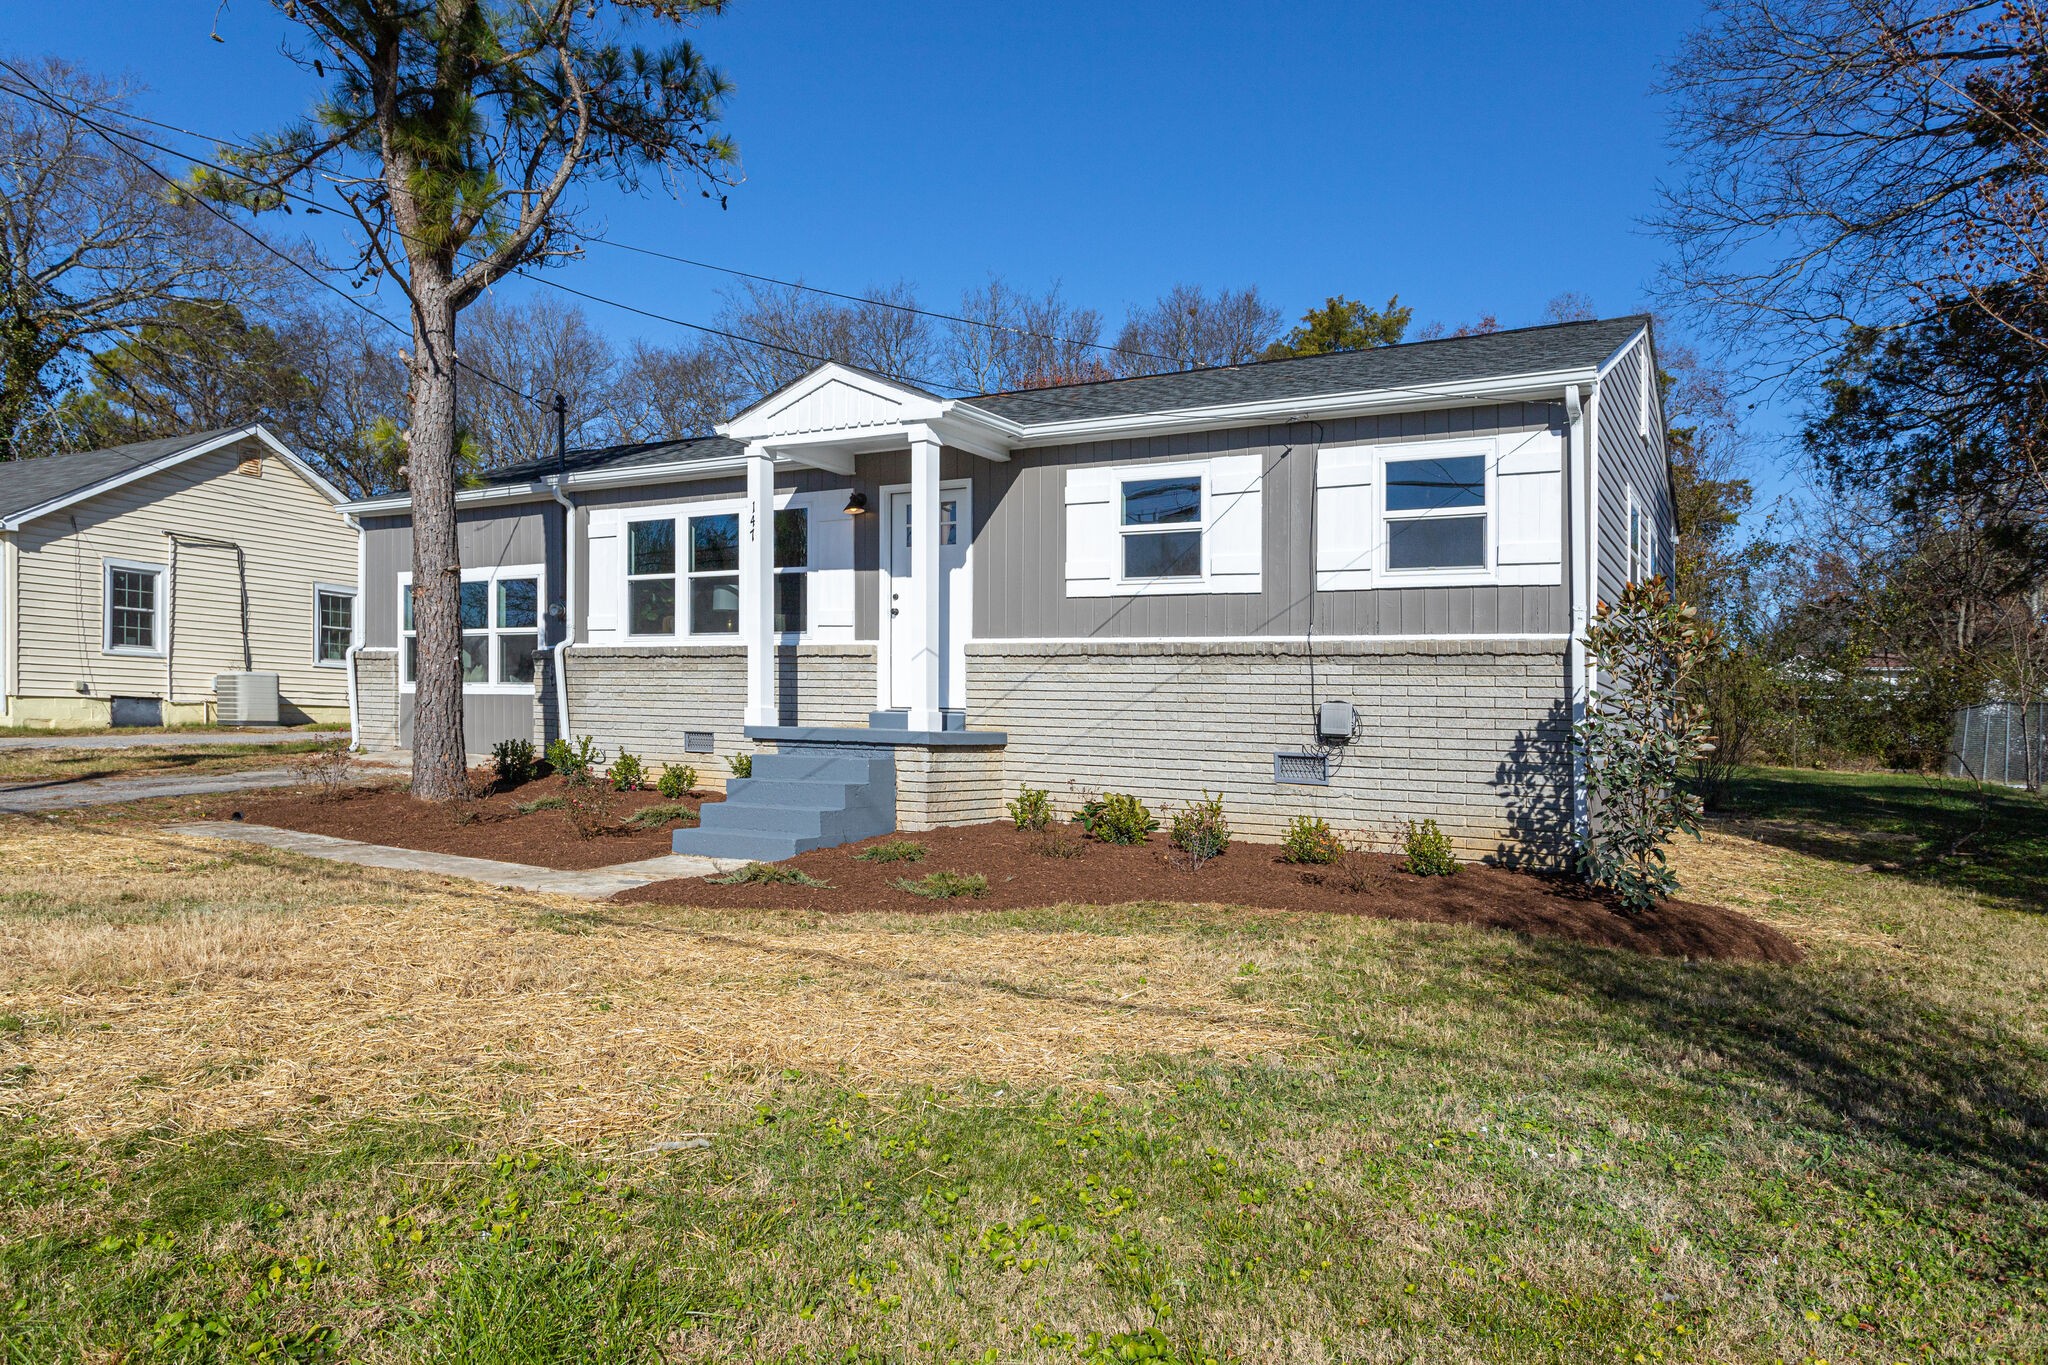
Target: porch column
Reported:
point(757, 586)
point(924, 581)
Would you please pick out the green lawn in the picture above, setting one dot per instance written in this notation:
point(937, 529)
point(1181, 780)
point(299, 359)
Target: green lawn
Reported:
point(1474, 1147)
point(1938, 830)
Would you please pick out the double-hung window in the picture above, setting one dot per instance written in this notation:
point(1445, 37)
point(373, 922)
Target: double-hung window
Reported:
point(500, 612)
point(1161, 527)
point(334, 625)
point(134, 608)
point(694, 588)
point(1436, 513)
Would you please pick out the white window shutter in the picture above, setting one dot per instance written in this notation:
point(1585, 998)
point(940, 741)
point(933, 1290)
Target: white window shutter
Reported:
point(1092, 540)
point(1530, 481)
point(1237, 532)
point(831, 577)
point(607, 571)
point(1346, 524)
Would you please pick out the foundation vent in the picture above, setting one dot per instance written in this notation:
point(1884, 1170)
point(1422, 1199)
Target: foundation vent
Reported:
point(698, 741)
point(1302, 770)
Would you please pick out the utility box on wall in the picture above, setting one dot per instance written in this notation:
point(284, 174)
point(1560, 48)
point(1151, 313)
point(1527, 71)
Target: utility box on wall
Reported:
point(245, 698)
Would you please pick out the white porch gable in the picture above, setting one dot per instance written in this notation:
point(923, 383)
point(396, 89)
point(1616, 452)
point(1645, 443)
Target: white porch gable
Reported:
point(824, 420)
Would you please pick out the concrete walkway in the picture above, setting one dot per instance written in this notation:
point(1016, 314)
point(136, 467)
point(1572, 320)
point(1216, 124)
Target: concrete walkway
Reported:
point(594, 884)
point(161, 739)
point(37, 798)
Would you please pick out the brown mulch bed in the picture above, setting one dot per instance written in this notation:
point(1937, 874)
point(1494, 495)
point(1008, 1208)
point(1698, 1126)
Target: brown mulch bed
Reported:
point(486, 826)
point(1021, 874)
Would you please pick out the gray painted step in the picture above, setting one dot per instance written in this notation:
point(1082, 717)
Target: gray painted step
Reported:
point(795, 802)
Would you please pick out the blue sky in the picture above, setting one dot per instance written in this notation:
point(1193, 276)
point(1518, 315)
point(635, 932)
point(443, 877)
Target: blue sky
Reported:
point(1473, 158)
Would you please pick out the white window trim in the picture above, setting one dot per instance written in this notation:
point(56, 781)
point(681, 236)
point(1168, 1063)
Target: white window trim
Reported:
point(494, 688)
point(681, 512)
point(1484, 575)
point(355, 621)
point(1160, 587)
point(1635, 519)
point(163, 607)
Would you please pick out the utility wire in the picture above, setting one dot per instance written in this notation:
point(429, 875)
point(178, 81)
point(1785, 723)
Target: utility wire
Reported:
point(113, 138)
point(712, 266)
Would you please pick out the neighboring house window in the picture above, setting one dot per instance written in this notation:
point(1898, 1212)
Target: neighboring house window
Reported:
point(709, 577)
point(334, 624)
point(500, 613)
point(1436, 513)
point(134, 608)
point(1162, 527)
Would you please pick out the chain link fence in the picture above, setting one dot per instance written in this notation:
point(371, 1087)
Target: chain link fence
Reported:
point(2001, 743)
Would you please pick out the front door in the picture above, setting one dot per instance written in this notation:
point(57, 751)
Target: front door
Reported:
point(899, 625)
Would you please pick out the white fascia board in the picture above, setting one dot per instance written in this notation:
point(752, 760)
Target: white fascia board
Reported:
point(58, 504)
point(305, 471)
point(467, 497)
point(1620, 351)
point(1547, 385)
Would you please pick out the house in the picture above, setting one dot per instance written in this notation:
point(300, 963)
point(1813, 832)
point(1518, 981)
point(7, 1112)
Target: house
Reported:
point(131, 578)
point(1154, 585)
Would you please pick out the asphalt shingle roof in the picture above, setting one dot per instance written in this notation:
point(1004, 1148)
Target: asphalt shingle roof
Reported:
point(618, 457)
point(1528, 350)
point(30, 483)
point(1451, 360)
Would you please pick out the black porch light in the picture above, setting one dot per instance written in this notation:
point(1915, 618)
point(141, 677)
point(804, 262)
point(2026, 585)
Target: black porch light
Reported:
point(856, 504)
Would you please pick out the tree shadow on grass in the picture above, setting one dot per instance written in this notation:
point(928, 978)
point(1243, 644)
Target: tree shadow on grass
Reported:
point(1935, 831)
point(1856, 1055)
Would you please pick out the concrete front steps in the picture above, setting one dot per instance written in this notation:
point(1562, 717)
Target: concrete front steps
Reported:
point(795, 802)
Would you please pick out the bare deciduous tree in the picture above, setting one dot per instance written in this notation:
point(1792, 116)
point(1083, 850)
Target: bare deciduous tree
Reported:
point(534, 350)
point(93, 247)
point(1851, 163)
point(1015, 340)
point(1188, 329)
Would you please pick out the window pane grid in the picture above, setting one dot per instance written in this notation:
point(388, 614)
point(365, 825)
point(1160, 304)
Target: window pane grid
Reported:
point(1162, 527)
point(695, 590)
point(336, 613)
point(500, 620)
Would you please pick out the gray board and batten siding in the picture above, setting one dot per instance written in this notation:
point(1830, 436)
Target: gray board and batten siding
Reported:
point(1020, 543)
point(486, 538)
point(1020, 532)
point(1628, 459)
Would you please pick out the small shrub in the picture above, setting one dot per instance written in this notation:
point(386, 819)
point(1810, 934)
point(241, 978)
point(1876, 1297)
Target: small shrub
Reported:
point(513, 761)
point(894, 851)
point(1032, 810)
point(589, 808)
point(767, 874)
point(1428, 850)
point(1199, 831)
point(677, 783)
point(326, 769)
point(627, 773)
point(669, 813)
point(575, 763)
point(1116, 818)
point(1058, 843)
point(742, 765)
point(554, 801)
point(946, 886)
point(1358, 872)
point(1309, 839)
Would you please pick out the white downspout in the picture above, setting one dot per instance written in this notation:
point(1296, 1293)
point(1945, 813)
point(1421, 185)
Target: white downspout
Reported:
point(1581, 593)
point(569, 605)
point(355, 632)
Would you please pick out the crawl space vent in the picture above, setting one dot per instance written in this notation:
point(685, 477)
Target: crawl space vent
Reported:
point(697, 741)
point(1311, 770)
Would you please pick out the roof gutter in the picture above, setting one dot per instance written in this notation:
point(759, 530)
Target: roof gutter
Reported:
point(561, 649)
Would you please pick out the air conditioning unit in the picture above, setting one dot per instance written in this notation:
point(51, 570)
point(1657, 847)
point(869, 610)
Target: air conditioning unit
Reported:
point(245, 698)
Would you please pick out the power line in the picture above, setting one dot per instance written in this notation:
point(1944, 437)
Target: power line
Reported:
point(715, 268)
point(314, 203)
point(113, 138)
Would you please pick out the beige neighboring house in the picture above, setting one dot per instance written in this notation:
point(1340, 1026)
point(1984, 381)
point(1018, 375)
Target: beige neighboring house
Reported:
point(132, 577)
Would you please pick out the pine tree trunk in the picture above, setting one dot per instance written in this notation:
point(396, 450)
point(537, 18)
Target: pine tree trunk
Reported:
point(438, 754)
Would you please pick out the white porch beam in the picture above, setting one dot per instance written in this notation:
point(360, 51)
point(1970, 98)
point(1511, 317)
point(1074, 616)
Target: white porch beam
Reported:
point(925, 632)
point(757, 585)
point(831, 461)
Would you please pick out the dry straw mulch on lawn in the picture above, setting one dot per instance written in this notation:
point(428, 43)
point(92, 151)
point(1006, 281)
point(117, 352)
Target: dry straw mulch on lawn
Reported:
point(162, 980)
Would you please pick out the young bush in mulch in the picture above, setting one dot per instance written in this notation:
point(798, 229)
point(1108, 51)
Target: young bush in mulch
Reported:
point(1023, 871)
point(490, 825)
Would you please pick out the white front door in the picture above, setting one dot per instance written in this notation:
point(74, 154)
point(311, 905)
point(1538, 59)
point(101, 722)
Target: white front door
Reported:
point(956, 606)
